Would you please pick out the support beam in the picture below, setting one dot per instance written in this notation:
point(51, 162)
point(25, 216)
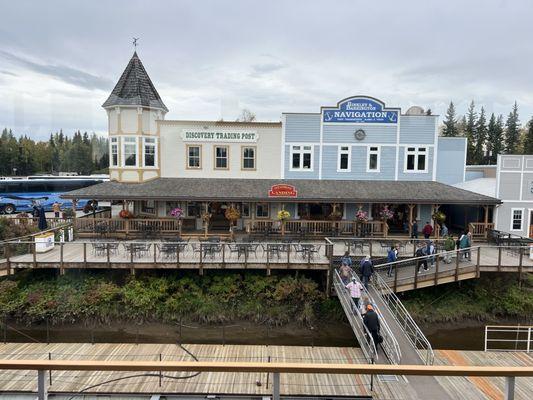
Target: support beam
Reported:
point(276, 385)
point(42, 390)
point(509, 388)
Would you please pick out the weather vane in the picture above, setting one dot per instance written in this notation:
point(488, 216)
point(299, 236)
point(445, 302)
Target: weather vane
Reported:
point(135, 39)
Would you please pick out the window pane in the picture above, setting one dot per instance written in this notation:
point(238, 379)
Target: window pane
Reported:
point(194, 157)
point(248, 161)
point(410, 162)
point(344, 161)
point(307, 161)
point(149, 155)
point(411, 149)
point(373, 162)
point(221, 157)
point(421, 162)
point(130, 155)
point(296, 160)
point(344, 148)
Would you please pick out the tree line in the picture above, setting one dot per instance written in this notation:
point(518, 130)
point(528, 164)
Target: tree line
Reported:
point(489, 136)
point(79, 153)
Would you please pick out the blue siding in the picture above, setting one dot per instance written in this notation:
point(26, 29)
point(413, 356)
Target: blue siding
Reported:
point(349, 211)
point(302, 174)
point(425, 215)
point(417, 129)
point(302, 127)
point(408, 176)
point(342, 133)
point(471, 175)
point(451, 160)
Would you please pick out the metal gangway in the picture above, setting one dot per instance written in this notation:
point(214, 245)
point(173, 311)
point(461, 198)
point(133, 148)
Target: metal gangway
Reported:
point(403, 341)
point(389, 350)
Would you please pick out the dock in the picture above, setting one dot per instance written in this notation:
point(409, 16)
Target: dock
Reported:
point(257, 384)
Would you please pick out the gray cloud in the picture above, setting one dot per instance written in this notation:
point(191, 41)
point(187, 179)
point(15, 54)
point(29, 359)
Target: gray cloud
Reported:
point(67, 74)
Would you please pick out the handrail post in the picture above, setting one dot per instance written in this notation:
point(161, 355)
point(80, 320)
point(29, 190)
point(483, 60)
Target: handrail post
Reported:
point(509, 388)
point(396, 277)
point(417, 266)
point(288, 255)
point(520, 263)
point(84, 254)
point(34, 251)
point(200, 266)
point(436, 269)
point(478, 258)
point(499, 258)
point(8, 257)
point(457, 265)
point(42, 391)
point(107, 254)
point(275, 386)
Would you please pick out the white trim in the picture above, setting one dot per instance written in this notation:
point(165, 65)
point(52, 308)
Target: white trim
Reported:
point(528, 227)
point(522, 178)
point(516, 201)
point(320, 148)
point(498, 177)
point(368, 170)
point(464, 169)
point(359, 123)
point(123, 143)
point(435, 152)
point(339, 153)
point(397, 160)
point(156, 158)
point(416, 153)
point(301, 158)
point(283, 144)
point(359, 144)
point(521, 219)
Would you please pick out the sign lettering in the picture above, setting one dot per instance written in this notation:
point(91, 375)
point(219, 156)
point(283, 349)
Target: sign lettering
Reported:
point(219, 136)
point(282, 190)
point(360, 110)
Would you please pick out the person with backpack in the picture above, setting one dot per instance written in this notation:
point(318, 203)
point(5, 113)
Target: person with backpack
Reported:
point(430, 251)
point(366, 270)
point(422, 259)
point(392, 256)
point(449, 246)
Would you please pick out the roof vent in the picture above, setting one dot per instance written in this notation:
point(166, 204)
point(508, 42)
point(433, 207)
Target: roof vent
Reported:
point(415, 110)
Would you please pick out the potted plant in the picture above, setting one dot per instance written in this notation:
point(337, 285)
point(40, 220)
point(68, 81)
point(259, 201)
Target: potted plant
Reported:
point(125, 214)
point(283, 215)
point(361, 216)
point(386, 213)
point(439, 217)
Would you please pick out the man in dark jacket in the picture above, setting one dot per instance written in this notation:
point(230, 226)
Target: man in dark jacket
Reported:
point(371, 321)
point(367, 269)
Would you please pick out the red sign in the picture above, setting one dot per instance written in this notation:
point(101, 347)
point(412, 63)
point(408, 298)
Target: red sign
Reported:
point(282, 191)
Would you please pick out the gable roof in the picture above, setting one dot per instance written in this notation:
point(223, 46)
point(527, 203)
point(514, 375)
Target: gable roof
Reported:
point(134, 88)
point(309, 190)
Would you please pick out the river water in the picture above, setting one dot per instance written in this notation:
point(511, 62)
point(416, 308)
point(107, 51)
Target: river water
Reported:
point(460, 337)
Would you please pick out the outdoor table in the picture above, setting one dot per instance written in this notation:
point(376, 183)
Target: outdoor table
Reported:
point(211, 249)
point(243, 248)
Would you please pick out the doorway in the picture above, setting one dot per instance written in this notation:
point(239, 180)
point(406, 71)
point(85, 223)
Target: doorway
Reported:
point(218, 221)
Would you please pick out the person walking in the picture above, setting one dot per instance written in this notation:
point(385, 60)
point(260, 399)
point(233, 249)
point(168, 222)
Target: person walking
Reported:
point(392, 256)
point(346, 273)
point(468, 245)
point(56, 208)
point(427, 230)
point(463, 245)
point(346, 259)
point(414, 230)
point(449, 246)
point(430, 251)
point(371, 321)
point(422, 259)
point(355, 288)
point(443, 230)
point(367, 269)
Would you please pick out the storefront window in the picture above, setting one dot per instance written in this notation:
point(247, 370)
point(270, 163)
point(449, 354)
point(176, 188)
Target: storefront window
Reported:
point(245, 210)
point(194, 159)
point(194, 209)
point(221, 157)
point(130, 151)
point(148, 206)
point(261, 210)
point(344, 159)
point(149, 152)
point(373, 159)
point(113, 162)
point(248, 158)
point(416, 159)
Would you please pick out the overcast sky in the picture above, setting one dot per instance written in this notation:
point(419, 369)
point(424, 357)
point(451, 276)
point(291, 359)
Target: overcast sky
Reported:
point(59, 60)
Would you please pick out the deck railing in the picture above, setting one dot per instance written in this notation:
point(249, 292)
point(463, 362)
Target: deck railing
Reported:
point(42, 367)
point(509, 338)
point(136, 226)
point(480, 229)
point(317, 228)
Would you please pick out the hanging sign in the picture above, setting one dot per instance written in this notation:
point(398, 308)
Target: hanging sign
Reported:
point(282, 190)
point(360, 110)
point(219, 136)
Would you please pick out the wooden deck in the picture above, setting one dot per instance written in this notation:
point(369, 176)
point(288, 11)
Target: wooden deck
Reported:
point(384, 387)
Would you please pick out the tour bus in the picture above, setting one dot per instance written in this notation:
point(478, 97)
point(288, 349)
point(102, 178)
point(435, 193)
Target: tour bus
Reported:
point(21, 194)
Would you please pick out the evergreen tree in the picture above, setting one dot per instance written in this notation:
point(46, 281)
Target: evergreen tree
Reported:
point(512, 131)
point(470, 128)
point(528, 140)
point(450, 123)
point(480, 138)
point(495, 140)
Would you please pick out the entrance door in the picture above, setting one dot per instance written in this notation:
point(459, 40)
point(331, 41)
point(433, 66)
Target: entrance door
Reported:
point(218, 221)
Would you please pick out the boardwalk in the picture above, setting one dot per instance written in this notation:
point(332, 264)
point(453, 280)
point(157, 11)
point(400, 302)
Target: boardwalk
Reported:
point(249, 383)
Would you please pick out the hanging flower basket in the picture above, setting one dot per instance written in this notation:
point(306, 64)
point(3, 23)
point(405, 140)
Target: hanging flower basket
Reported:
point(361, 216)
point(386, 213)
point(206, 217)
point(283, 215)
point(176, 213)
point(232, 214)
point(439, 217)
point(125, 214)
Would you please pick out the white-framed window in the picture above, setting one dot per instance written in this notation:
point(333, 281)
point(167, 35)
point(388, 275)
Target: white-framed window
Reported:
point(245, 210)
point(517, 217)
point(344, 163)
point(113, 152)
point(149, 152)
point(262, 210)
point(301, 158)
point(194, 156)
point(221, 157)
point(373, 159)
point(416, 159)
point(129, 151)
point(148, 207)
point(194, 209)
point(248, 157)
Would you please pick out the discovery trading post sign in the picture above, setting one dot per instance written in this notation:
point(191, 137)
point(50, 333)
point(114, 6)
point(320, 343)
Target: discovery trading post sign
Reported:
point(219, 136)
point(360, 110)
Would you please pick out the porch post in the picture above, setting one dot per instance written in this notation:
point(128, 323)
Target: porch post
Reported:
point(436, 226)
point(485, 228)
point(205, 221)
point(411, 207)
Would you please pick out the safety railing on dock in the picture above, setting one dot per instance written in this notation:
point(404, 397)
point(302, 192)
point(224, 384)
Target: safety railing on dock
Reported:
point(412, 331)
point(509, 338)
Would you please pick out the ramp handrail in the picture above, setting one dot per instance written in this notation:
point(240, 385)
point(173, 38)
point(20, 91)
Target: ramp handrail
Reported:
point(356, 321)
point(390, 344)
point(413, 333)
point(509, 338)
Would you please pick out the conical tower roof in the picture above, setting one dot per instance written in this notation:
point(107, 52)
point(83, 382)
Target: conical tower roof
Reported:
point(134, 88)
